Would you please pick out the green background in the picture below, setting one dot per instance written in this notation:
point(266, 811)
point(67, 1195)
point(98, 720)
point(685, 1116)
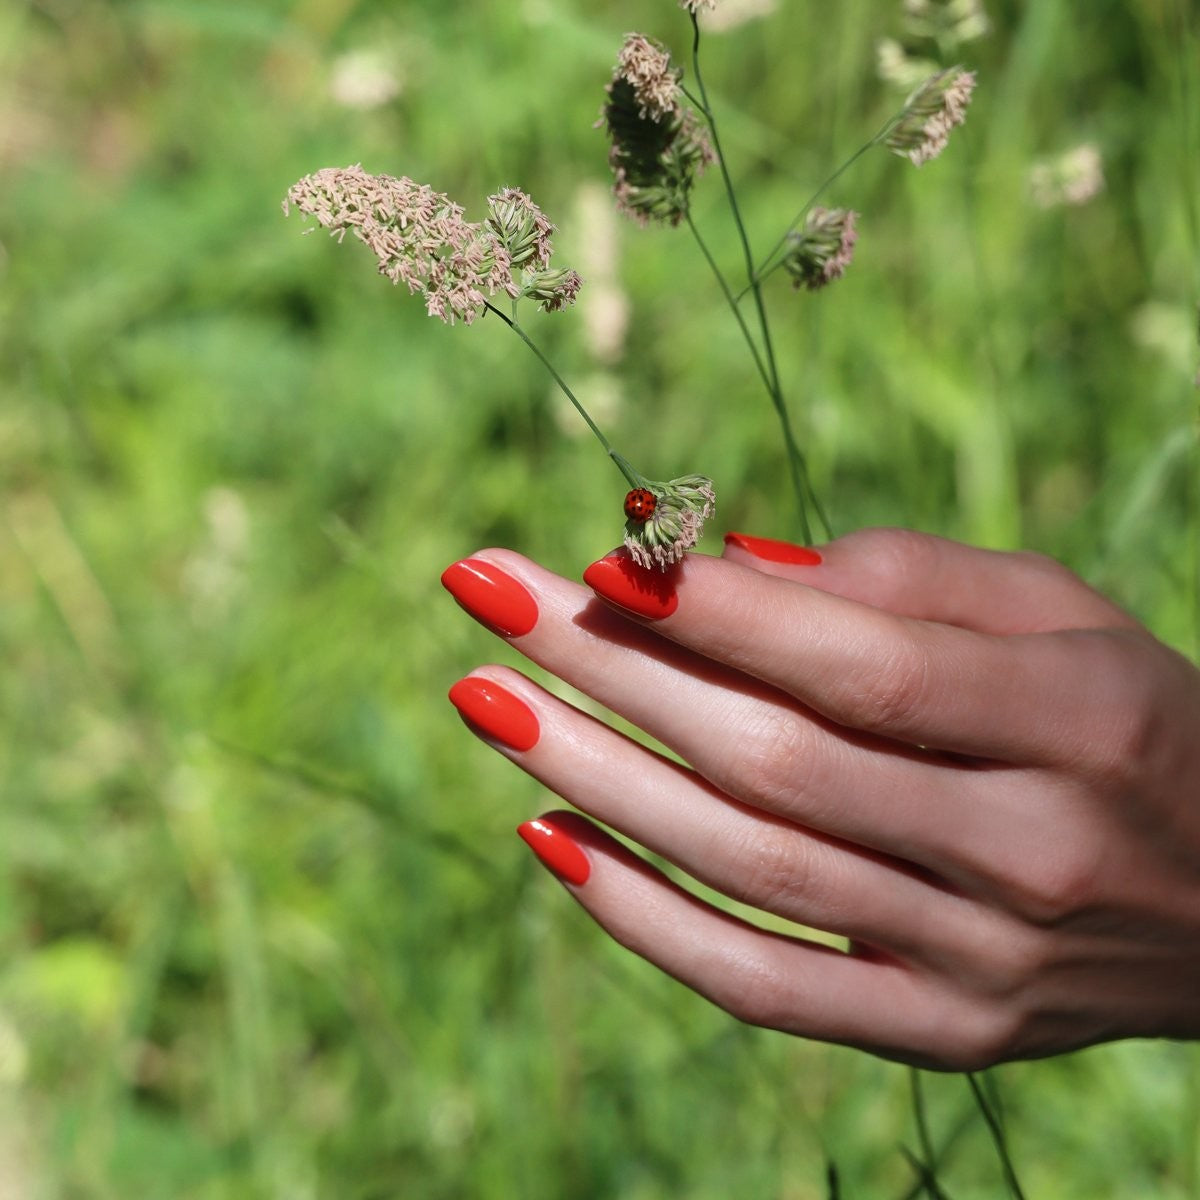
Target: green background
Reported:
point(265, 930)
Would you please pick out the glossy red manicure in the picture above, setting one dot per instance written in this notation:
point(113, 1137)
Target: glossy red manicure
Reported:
point(492, 596)
point(773, 551)
point(556, 849)
point(496, 712)
point(646, 592)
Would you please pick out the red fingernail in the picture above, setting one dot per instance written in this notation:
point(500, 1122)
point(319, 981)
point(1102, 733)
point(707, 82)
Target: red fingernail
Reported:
point(649, 593)
point(774, 551)
point(496, 712)
point(557, 850)
point(492, 596)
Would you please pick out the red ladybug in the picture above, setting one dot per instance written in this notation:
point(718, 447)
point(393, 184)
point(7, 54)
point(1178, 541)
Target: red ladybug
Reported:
point(639, 504)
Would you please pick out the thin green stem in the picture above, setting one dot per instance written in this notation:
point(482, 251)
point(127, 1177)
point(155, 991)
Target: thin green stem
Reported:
point(928, 1156)
point(634, 478)
point(695, 100)
point(926, 1180)
point(800, 483)
point(768, 265)
point(732, 302)
point(998, 1138)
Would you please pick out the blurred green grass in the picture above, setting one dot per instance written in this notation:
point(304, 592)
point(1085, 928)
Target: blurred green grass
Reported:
point(265, 927)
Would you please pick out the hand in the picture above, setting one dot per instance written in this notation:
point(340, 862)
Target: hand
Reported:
point(973, 767)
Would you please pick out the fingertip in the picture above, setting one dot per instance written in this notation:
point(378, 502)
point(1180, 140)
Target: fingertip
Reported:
point(555, 839)
point(643, 591)
point(773, 550)
point(492, 595)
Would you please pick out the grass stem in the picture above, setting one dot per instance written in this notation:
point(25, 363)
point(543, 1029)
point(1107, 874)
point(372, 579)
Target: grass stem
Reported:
point(633, 477)
point(798, 468)
point(988, 1112)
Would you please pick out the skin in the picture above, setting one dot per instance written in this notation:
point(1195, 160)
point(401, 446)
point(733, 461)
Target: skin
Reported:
point(969, 764)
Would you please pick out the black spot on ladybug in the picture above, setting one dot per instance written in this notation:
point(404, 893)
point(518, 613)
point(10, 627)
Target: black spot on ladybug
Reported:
point(640, 504)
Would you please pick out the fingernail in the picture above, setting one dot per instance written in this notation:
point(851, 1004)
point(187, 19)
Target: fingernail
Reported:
point(557, 850)
point(646, 592)
point(492, 596)
point(774, 551)
point(496, 712)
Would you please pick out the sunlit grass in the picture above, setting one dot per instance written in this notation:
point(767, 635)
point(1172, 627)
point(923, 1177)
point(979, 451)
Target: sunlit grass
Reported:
point(266, 927)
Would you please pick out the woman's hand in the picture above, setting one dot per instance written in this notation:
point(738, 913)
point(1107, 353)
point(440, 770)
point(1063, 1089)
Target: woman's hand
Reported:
point(976, 769)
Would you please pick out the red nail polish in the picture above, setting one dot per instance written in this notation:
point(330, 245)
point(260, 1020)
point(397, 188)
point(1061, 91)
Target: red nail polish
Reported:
point(557, 850)
point(496, 712)
point(774, 551)
point(492, 596)
point(643, 591)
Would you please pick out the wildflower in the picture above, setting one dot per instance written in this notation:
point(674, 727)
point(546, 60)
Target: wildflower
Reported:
point(895, 65)
point(422, 239)
point(698, 6)
point(820, 252)
point(1071, 179)
point(733, 13)
point(364, 79)
point(947, 22)
point(930, 113)
point(646, 67)
point(658, 145)
point(675, 519)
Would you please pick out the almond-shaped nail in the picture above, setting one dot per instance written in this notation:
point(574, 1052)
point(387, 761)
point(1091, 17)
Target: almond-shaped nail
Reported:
point(641, 590)
point(496, 712)
point(492, 596)
point(774, 551)
point(559, 851)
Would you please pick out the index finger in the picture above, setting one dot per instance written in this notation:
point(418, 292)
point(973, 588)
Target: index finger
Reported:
point(921, 682)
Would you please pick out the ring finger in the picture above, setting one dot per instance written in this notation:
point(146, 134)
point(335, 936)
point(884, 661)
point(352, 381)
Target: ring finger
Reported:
point(765, 861)
point(743, 736)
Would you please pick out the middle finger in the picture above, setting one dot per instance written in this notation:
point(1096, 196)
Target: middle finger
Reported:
point(745, 737)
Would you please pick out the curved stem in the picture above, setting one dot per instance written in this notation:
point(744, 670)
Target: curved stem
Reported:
point(932, 1186)
point(732, 302)
point(634, 478)
point(998, 1138)
point(796, 463)
point(766, 267)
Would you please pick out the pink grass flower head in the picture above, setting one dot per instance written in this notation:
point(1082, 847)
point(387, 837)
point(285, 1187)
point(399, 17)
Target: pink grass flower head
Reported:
point(930, 113)
point(646, 67)
point(681, 506)
point(820, 252)
point(658, 146)
point(422, 239)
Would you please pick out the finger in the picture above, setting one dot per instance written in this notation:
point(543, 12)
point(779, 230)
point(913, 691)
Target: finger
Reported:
point(922, 683)
point(749, 740)
point(761, 977)
point(935, 579)
point(769, 863)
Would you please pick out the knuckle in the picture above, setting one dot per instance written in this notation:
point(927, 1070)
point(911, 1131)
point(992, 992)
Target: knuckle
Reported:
point(1058, 888)
point(973, 1035)
point(1127, 721)
point(896, 688)
point(897, 556)
point(751, 991)
point(775, 764)
point(778, 870)
point(991, 1036)
point(1012, 963)
point(1050, 569)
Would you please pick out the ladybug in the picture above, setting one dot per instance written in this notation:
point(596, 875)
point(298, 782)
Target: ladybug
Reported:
point(640, 504)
